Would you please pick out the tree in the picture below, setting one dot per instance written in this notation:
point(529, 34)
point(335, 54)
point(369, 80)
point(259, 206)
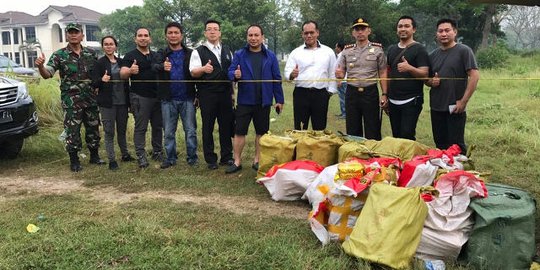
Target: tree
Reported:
point(335, 17)
point(523, 27)
point(471, 19)
point(122, 24)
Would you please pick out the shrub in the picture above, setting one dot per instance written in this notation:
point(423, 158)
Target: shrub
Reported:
point(492, 57)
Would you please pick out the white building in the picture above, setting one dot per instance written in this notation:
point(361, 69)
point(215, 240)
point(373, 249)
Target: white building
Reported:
point(22, 32)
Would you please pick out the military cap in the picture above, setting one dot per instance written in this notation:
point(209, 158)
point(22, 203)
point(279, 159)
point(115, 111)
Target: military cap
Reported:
point(74, 26)
point(360, 22)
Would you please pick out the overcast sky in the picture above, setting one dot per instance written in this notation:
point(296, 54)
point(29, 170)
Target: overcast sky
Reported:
point(34, 7)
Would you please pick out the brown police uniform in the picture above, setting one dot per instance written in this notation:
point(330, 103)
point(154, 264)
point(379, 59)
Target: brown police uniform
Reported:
point(362, 65)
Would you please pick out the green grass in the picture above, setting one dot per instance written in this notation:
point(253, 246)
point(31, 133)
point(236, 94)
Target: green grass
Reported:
point(85, 233)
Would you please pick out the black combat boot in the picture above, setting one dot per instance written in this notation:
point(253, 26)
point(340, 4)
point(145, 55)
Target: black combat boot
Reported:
point(94, 157)
point(75, 164)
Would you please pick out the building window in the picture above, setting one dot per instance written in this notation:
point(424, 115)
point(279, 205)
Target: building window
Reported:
point(6, 54)
point(60, 35)
point(17, 57)
point(6, 38)
point(16, 36)
point(32, 56)
point(30, 34)
point(91, 32)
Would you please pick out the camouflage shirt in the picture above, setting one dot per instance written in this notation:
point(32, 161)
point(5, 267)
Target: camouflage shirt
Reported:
point(75, 71)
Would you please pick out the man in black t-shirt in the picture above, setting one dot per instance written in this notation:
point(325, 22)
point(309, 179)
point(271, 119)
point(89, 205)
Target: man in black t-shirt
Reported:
point(137, 65)
point(455, 77)
point(408, 61)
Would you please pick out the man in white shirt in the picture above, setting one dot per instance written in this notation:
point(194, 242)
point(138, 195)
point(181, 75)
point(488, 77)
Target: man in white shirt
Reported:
point(312, 67)
point(210, 62)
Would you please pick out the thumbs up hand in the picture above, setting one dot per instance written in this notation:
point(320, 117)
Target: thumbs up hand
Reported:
point(106, 77)
point(403, 66)
point(134, 69)
point(435, 81)
point(294, 73)
point(238, 73)
point(40, 60)
point(340, 72)
point(167, 64)
point(208, 68)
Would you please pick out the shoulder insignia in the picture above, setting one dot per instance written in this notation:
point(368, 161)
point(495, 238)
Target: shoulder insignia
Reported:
point(376, 44)
point(348, 46)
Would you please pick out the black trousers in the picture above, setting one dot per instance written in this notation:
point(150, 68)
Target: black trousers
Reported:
point(216, 105)
point(403, 118)
point(448, 129)
point(310, 103)
point(363, 112)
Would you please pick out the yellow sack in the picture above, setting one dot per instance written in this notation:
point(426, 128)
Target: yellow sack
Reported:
point(387, 147)
point(356, 149)
point(320, 147)
point(274, 150)
point(389, 227)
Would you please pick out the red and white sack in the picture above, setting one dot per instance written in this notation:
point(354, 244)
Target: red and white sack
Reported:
point(418, 172)
point(449, 219)
point(289, 181)
point(449, 159)
point(317, 194)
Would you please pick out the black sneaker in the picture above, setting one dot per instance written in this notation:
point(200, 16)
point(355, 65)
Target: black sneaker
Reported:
point(233, 168)
point(193, 163)
point(75, 167)
point(143, 162)
point(113, 165)
point(166, 164)
point(255, 166)
point(226, 162)
point(127, 157)
point(212, 166)
point(157, 156)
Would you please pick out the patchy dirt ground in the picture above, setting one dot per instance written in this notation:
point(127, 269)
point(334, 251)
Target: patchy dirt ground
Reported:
point(20, 187)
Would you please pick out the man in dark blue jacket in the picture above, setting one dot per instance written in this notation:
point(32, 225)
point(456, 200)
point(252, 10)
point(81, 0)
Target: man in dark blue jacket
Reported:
point(254, 63)
point(177, 95)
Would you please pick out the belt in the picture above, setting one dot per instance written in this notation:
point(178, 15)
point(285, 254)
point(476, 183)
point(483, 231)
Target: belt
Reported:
point(312, 88)
point(362, 89)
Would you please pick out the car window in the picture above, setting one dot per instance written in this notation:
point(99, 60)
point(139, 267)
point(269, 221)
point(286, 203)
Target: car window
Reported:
point(6, 62)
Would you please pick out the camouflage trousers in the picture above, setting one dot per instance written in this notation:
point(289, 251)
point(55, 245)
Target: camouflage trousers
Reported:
point(74, 117)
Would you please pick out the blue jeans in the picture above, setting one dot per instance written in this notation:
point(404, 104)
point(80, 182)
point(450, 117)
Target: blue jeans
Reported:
point(170, 110)
point(341, 92)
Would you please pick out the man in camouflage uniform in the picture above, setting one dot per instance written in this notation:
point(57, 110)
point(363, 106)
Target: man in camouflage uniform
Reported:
point(363, 62)
point(75, 63)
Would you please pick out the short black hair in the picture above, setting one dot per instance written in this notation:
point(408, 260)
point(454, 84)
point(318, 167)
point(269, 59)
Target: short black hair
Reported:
point(255, 25)
point(174, 24)
point(404, 17)
point(340, 45)
point(212, 21)
point(111, 37)
point(142, 27)
point(447, 20)
point(310, 21)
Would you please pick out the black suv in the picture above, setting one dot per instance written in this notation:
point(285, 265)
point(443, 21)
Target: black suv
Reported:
point(18, 116)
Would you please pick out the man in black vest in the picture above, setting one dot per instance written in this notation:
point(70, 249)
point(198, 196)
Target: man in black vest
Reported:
point(210, 62)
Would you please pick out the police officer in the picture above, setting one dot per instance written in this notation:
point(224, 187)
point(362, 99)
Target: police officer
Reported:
point(75, 64)
point(365, 63)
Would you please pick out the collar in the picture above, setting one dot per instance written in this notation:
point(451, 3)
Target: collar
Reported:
point(211, 46)
point(318, 45)
point(263, 48)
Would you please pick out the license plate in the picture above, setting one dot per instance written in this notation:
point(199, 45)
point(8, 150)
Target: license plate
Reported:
point(5, 117)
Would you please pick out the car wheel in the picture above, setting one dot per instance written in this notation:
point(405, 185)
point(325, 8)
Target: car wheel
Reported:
point(11, 148)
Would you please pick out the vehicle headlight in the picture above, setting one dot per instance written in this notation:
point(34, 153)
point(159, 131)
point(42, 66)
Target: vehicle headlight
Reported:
point(22, 92)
